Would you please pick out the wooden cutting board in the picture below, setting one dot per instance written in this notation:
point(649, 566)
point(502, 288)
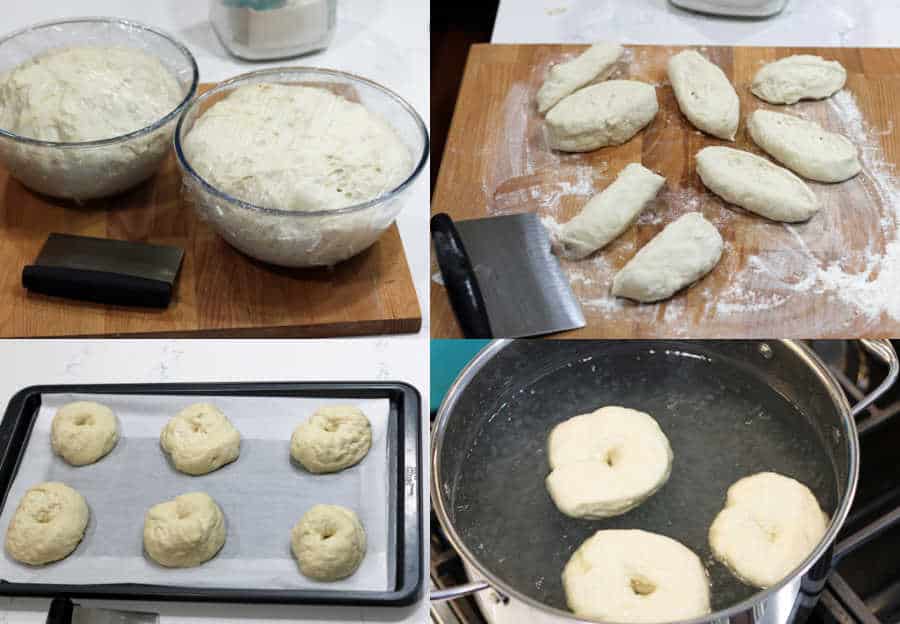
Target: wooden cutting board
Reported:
point(220, 292)
point(836, 276)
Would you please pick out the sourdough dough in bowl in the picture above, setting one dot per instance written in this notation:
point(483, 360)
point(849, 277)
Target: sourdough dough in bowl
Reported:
point(334, 438)
point(200, 439)
point(48, 524)
point(607, 462)
point(635, 576)
point(769, 525)
point(82, 432)
point(185, 531)
point(329, 543)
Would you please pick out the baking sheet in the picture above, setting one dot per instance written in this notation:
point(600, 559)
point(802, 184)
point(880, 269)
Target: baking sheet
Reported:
point(262, 495)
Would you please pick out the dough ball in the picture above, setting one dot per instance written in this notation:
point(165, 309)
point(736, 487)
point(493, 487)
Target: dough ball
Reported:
point(334, 438)
point(607, 462)
point(635, 576)
point(185, 531)
point(200, 439)
point(82, 432)
point(329, 543)
point(48, 524)
point(769, 525)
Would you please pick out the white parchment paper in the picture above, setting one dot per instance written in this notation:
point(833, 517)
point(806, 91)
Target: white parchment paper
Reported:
point(262, 495)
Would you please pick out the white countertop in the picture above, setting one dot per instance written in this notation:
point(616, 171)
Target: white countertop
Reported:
point(847, 23)
point(26, 363)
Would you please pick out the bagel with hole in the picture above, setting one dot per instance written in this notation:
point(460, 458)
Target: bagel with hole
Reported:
point(334, 438)
point(329, 543)
point(48, 525)
point(185, 531)
point(200, 439)
point(83, 432)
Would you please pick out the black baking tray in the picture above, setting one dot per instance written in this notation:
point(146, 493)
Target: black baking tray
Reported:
point(406, 525)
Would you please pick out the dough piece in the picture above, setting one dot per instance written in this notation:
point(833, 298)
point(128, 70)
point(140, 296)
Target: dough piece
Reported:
point(799, 77)
point(608, 214)
point(769, 525)
point(594, 65)
point(200, 439)
point(607, 462)
point(335, 437)
point(635, 576)
point(686, 250)
point(804, 146)
point(329, 543)
point(185, 531)
point(704, 94)
point(48, 524)
point(608, 113)
point(755, 184)
point(82, 432)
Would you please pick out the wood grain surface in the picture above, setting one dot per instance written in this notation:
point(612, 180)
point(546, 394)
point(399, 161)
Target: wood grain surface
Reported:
point(829, 277)
point(219, 292)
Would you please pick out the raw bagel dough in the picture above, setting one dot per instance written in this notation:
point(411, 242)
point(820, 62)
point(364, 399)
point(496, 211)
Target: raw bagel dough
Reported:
point(608, 214)
point(329, 543)
point(48, 524)
point(755, 184)
point(635, 576)
point(607, 462)
point(804, 146)
point(200, 439)
point(335, 437)
point(686, 250)
point(82, 432)
point(769, 525)
point(185, 531)
point(704, 94)
point(608, 113)
point(597, 63)
point(799, 77)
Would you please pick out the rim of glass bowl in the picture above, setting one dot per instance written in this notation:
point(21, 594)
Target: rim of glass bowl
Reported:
point(192, 90)
point(422, 158)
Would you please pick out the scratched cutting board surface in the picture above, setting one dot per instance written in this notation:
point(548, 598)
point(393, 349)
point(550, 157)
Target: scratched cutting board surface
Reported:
point(834, 276)
point(219, 292)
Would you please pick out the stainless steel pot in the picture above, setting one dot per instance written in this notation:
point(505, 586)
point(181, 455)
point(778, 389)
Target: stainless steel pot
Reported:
point(730, 408)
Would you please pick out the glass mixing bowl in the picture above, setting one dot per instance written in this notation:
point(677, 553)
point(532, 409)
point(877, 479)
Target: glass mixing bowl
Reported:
point(293, 238)
point(92, 169)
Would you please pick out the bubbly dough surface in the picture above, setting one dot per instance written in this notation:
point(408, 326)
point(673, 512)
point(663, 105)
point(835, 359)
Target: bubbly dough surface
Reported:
point(329, 543)
point(185, 531)
point(48, 525)
point(769, 525)
point(595, 64)
point(334, 438)
point(83, 431)
point(798, 77)
point(635, 576)
point(200, 439)
point(296, 148)
point(704, 94)
point(607, 462)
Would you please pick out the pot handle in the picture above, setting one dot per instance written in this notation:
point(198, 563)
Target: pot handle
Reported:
point(883, 350)
point(451, 593)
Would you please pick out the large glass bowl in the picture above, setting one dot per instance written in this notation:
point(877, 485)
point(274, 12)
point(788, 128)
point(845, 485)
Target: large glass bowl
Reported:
point(92, 169)
point(294, 238)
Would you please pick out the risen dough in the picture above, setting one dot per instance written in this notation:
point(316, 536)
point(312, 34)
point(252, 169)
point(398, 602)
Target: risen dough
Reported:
point(635, 576)
point(200, 439)
point(82, 432)
point(48, 524)
point(704, 94)
point(799, 77)
point(329, 543)
point(597, 63)
point(606, 462)
point(603, 114)
point(335, 437)
point(184, 532)
point(769, 525)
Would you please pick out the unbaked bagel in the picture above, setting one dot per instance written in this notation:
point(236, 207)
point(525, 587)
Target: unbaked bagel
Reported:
point(329, 543)
point(334, 438)
point(185, 531)
point(200, 439)
point(82, 432)
point(48, 524)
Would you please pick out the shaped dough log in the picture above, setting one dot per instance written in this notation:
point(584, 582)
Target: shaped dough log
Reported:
point(686, 250)
point(754, 183)
point(804, 146)
point(603, 114)
point(608, 214)
point(798, 77)
point(704, 94)
point(594, 65)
